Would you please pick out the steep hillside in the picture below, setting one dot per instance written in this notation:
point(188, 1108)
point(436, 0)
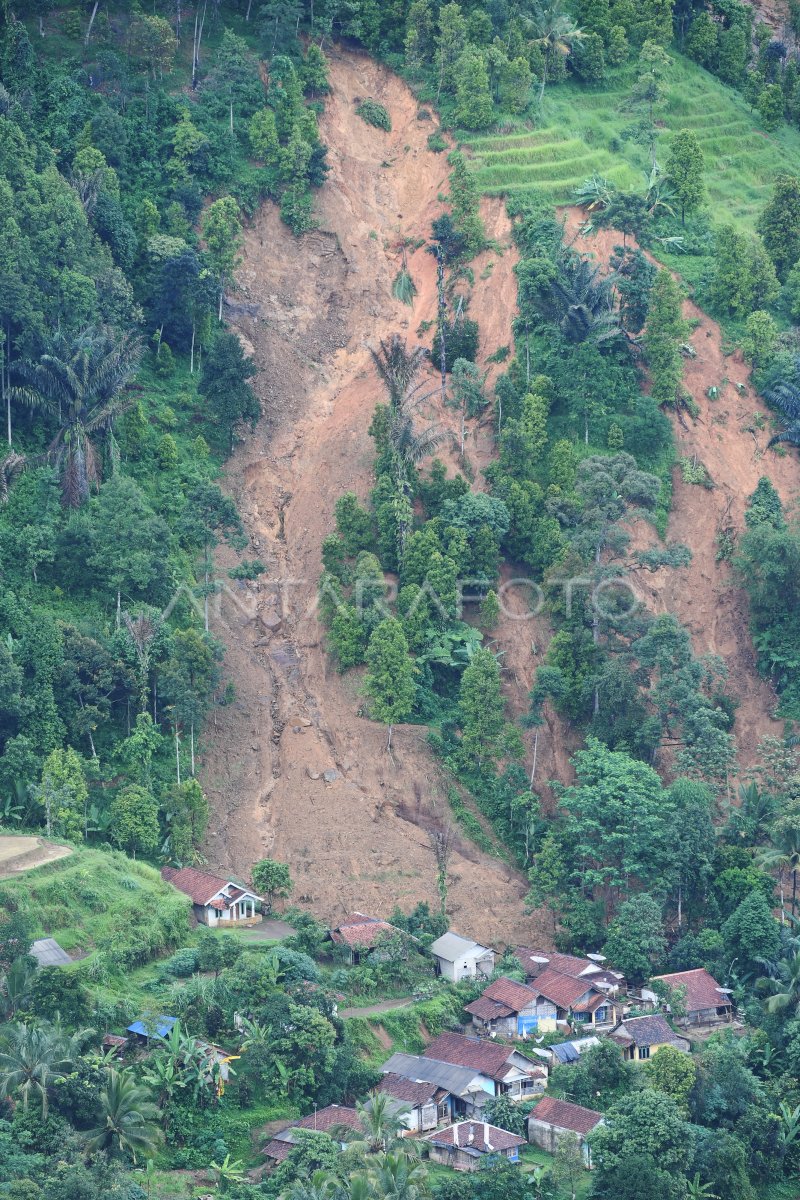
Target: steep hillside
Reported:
point(292, 769)
point(729, 438)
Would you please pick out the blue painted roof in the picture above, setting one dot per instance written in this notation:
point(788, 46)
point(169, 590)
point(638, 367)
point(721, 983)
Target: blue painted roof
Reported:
point(157, 1027)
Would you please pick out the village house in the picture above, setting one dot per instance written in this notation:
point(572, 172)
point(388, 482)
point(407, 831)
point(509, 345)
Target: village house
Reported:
point(460, 958)
point(215, 900)
point(571, 998)
point(563, 1053)
point(502, 1070)
point(420, 1104)
point(640, 1038)
point(507, 1008)
point(468, 1144)
point(591, 968)
point(553, 1119)
point(359, 934)
point(459, 1090)
point(322, 1121)
point(704, 1001)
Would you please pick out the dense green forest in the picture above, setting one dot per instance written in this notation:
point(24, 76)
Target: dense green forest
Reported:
point(135, 143)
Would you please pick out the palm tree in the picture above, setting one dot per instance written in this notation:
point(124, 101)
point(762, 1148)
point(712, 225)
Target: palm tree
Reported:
point(381, 1126)
point(790, 1124)
point(78, 381)
point(695, 1190)
point(128, 1118)
point(785, 978)
point(11, 466)
point(400, 368)
point(15, 986)
point(585, 302)
point(33, 1057)
point(321, 1186)
point(554, 30)
point(784, 855)
point(398, 1177)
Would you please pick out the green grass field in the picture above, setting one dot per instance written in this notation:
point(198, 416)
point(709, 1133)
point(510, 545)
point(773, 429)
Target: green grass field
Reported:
point(581, 132)
point(104, 902)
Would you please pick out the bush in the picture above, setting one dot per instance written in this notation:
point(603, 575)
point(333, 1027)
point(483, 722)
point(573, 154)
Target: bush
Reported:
point(182, 963)
point(436, 142)
point(375, 114)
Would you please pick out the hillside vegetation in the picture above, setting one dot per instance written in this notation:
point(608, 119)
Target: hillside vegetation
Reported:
point(523, 506)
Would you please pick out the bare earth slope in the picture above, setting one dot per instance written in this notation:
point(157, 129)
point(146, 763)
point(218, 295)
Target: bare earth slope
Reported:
point(729, 438)
point(309, 310)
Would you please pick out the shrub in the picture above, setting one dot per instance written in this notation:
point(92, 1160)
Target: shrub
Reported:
point(375, 114)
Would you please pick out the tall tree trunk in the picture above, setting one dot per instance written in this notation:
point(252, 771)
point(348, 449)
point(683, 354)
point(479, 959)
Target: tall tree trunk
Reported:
point(191, 352)
point(442, 319)
point(119, 609)
point(177, 754)
point(91, 22)
point(205, 591)
point(191, 743)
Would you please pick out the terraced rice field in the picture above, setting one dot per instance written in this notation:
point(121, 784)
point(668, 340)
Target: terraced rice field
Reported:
point(582, 133)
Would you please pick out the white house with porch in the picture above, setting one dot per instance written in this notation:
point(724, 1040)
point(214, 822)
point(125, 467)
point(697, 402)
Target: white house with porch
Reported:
point(215, 901)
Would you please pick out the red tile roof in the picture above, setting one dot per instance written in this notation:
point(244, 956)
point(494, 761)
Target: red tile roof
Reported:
point(564, 1115)
point(460, 1135)
point(322, 1121)
point(490, 1058)
point(507, 991)
point(563, 990)
point(702, 989)
point(202, 886)
point(408, 1090)
point(488, 1010)
point(361, 932)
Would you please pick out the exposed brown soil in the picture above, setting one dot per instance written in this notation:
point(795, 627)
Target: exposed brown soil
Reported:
point(309, 310)
point(729, 438)
point(20, 853)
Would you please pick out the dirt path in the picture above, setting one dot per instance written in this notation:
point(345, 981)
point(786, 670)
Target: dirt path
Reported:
point(730, 439)
point(374, 1010)
point(291, 768)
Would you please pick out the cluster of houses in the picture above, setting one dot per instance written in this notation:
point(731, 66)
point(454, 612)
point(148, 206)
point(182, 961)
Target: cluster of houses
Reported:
point(441, 1094)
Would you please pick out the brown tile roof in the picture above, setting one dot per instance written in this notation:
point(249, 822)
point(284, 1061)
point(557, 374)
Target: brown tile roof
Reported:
point(565, 964)
point(488, 1010)
point(490, 1058)
point(507, 991)
point(592, 1004)
point(277, 1150)
point(460, 1134)
point(361, 932)
point(409, 1090)
point(563, 990)
point(564, 1115)
point(322, 1121)
point(200, 885)
point(701, 989)
point(651, 1030)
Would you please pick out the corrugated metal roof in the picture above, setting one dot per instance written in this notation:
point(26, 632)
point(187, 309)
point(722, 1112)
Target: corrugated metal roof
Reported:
point(48, 953)
point(431, 1070)
point(451, 946)
point(154, 1027)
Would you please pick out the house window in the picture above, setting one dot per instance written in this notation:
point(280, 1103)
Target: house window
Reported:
point(644, 1052)
point(601, 1014)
